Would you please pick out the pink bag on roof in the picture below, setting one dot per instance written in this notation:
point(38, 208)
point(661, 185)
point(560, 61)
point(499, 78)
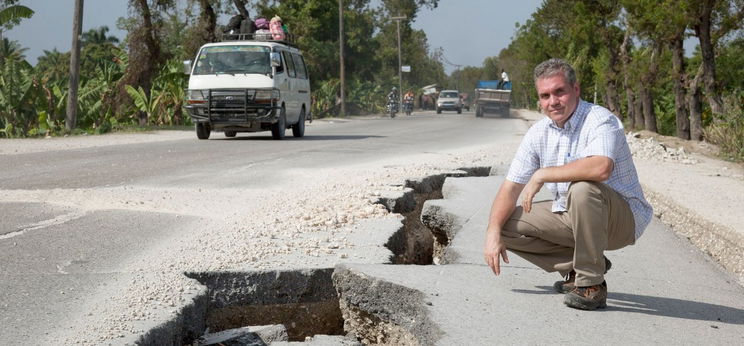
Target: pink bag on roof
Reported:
point(262, 23)
point(277, 33)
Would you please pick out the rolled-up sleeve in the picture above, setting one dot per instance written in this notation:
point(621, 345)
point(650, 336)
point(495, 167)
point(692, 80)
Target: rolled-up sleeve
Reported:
point(605, 140)
point(525, 162)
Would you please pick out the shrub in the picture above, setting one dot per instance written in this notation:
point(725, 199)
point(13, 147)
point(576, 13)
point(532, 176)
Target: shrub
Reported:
point(728, 131)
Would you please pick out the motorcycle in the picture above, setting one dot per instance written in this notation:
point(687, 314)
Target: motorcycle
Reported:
point(392, 106)
point(408, 106)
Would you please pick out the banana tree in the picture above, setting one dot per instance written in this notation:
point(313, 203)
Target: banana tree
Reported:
point(17, 96)
point(171, 84)
point(143, 102)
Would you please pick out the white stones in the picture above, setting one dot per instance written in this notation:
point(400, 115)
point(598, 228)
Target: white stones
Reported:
point(651, 149)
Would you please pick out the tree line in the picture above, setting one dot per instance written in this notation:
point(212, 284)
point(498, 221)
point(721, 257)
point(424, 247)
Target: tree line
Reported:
point(630, 57)
point(138, 80)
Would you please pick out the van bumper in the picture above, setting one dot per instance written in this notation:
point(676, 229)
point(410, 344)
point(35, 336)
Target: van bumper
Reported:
point(248, 119)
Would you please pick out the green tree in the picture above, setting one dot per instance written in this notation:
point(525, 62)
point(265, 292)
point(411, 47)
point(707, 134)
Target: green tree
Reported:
point(18, 96)
point(99, 36)
point(145, 50)
point(11, 14)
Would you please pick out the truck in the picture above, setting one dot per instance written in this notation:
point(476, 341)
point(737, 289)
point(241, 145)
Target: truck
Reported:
point(492, 97)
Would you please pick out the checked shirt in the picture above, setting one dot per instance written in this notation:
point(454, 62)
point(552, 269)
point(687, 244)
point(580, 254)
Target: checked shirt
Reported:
point(591, 130)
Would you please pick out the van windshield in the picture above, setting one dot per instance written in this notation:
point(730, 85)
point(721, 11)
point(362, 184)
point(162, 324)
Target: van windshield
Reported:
point(233, 59)
point(449, 94)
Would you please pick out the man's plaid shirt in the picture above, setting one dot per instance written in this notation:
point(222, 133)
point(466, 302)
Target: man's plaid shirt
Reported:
point(591, 130)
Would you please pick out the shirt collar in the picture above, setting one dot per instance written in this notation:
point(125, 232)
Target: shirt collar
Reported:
point(577, 117)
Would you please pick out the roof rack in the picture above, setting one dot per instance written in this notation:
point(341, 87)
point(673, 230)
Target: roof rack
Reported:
point(257, 36)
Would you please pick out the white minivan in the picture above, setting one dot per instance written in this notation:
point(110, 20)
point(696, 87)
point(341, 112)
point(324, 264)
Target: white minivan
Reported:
point(248, 86)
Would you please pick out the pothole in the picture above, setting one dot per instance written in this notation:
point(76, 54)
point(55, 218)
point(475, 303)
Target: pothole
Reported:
point(415, 243)
point(263, 307)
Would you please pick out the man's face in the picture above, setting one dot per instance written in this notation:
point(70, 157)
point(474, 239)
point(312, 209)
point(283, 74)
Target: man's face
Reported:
point(558, 99)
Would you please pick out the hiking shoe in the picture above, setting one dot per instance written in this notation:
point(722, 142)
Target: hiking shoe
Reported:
point(567, 284)
point(587, 298)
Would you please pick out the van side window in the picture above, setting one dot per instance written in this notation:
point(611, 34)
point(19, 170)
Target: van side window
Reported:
point(299, 66)
point(280, 68)
point(290, 64)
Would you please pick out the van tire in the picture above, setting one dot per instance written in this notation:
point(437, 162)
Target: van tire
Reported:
point(298, 130)
point(279, 127)
point(202, 130)
point(230, 133)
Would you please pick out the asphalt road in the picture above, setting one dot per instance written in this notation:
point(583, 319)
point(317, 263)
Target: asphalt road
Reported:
point(214, 162)
point(52, 258)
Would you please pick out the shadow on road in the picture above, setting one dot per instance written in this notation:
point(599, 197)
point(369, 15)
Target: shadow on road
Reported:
point(662, 306)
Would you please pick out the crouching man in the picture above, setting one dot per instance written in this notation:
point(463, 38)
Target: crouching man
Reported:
point(580, 153)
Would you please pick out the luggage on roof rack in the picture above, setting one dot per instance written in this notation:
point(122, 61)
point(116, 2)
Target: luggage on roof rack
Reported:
point(259, 35)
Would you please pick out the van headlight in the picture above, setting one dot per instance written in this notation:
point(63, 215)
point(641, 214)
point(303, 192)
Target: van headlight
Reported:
point(267, 96)
point(196, 97)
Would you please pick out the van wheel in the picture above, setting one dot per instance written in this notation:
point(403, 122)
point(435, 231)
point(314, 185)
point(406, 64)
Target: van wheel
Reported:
point(278, 128)
point(202, 130)
point(298, 130)
point(230, 133)
point(439, 111)
point(459, 111)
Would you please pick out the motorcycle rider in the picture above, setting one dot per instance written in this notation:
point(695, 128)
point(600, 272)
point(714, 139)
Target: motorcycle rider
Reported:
point(408, 102)
point(393, 99)
point(393, 95)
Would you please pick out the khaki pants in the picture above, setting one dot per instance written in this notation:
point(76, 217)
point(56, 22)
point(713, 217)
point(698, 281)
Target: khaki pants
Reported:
point(598, 219)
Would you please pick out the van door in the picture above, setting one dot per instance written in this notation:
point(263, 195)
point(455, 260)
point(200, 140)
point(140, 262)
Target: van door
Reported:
point(293, 109)
point(302, 83)
point(281, 82)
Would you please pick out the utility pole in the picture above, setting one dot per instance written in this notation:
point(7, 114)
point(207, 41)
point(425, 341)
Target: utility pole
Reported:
point(400, 73)
point(72, 101)
point(341, 55)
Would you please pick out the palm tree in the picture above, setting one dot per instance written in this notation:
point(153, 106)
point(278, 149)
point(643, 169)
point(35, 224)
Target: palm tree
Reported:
point(99, 36)
point(54, 66)
point(11, 50)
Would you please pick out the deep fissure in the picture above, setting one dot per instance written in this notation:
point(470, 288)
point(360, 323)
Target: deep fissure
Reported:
point(305, 303)
point(415, 243)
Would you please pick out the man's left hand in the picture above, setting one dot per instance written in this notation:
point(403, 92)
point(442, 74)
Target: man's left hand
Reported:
point(531, 189)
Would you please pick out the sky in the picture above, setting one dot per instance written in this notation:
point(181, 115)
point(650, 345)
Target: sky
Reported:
point(468, 31)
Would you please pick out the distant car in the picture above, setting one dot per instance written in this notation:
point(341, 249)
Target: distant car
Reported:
point(449, 100)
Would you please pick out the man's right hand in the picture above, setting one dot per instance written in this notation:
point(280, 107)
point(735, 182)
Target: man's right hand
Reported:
point(495, 250)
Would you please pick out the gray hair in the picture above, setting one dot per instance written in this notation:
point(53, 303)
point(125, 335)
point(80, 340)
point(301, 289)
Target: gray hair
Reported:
point(553, 66)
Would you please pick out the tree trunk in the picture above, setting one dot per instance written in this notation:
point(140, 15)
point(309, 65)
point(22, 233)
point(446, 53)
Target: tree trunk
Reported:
point(649, 115)
point(696, 108)
point(72, 101)
point(678, 79)
point(240, 5)
point(638, 112)
point(613, 100)
point(631, 107)
point(208, 21)
point(647, 82)
point(144, 57)
point(703, 32)
point(625, 59)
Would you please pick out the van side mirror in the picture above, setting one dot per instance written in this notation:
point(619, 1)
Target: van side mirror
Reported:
point(276, 59)
point(187, 66)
